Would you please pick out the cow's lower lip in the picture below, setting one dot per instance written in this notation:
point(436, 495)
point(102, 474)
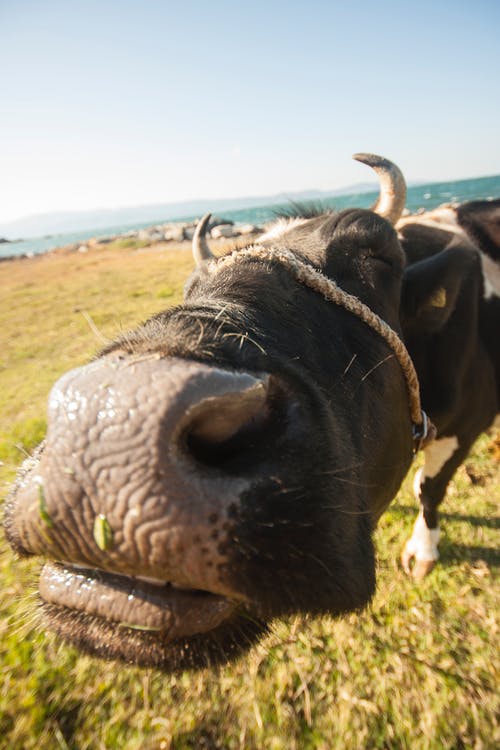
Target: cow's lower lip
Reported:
point(134, 604)
point(148, 625)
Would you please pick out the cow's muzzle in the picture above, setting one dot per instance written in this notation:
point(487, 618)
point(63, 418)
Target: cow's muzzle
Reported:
point(133, 495)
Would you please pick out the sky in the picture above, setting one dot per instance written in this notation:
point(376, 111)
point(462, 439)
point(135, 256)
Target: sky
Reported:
point(109, 103)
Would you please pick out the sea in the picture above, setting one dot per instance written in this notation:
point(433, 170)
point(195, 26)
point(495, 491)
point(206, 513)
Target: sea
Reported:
point(422, 196)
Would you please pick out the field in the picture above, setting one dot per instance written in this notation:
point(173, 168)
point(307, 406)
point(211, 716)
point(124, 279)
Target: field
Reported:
point(418, 669)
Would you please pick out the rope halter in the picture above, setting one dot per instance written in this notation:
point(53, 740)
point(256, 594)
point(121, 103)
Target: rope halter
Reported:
point(423, 430)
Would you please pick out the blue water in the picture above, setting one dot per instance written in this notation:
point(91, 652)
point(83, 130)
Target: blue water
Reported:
point(419, 196)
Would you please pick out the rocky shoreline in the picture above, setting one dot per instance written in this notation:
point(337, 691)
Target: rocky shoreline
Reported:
point(168, 232)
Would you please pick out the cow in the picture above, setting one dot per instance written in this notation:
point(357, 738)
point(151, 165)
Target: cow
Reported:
point(450, 316)
point(225, 464)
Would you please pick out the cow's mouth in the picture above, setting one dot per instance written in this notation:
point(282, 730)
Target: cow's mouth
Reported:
point(144, 621)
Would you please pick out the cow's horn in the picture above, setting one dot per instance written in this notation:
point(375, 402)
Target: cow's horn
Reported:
point(201, 251)
point(392, 198)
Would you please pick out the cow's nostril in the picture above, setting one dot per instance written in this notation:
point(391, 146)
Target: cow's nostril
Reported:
point(222, 452)
point(222, 429)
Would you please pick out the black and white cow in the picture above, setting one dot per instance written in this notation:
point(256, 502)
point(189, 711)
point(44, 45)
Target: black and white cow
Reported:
point(225, 463)
point(450, 315)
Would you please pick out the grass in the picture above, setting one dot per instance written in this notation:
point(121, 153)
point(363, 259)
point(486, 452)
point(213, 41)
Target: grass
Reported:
point(416, 670)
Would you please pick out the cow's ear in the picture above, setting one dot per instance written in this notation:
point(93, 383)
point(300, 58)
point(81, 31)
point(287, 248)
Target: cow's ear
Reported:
point(431, 288)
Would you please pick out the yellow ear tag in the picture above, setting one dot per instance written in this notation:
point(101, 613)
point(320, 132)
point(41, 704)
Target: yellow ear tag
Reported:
point(438, 299)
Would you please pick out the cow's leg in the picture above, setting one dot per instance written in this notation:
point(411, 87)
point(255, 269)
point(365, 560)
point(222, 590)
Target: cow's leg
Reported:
point(442, 458)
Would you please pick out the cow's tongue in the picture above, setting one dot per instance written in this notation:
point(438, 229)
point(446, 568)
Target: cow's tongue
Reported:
point(134, 603)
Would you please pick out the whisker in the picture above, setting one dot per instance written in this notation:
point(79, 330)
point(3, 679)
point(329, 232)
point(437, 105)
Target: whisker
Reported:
point(334, 472)
point(97, 333)
point(349, 365)
point(201, 334)
point(354, 484)
point(375, 367)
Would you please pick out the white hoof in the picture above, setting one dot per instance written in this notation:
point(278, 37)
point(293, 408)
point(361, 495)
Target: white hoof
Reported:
point(420, 552)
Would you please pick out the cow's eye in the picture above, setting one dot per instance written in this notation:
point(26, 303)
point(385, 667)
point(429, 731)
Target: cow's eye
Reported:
point(370, 257)
point(384, 260)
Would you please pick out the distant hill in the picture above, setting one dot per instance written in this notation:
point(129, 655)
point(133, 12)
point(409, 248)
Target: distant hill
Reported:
point(75, 221)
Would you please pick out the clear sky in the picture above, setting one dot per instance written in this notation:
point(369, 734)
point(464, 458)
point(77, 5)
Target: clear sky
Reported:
point(113, 103)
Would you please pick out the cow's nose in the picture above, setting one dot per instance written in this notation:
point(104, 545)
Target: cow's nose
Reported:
point(105, 414)
point(141, 456)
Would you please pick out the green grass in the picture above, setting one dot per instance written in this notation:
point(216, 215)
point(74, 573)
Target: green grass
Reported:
point(416, 670)
point(129, 243)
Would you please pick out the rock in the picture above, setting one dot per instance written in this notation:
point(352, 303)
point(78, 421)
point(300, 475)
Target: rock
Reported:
point(158, 234)
point(155, 236)
point(174, 232)
point(216, 221)
point(188, 232)
point(224, 230)
point(249, 229)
